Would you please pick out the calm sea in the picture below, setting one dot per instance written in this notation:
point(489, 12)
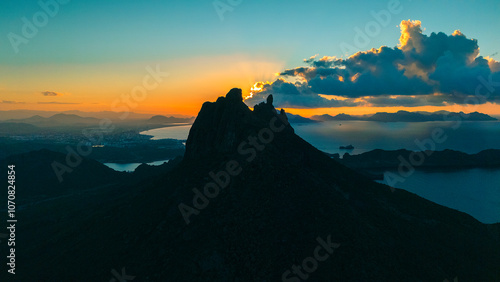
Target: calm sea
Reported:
point(180, 132)
point(473, 191)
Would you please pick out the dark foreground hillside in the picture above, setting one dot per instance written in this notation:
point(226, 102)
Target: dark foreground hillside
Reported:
point(275, 209)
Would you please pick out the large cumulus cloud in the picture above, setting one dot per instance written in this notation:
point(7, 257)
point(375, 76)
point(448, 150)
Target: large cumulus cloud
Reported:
point(436, 69)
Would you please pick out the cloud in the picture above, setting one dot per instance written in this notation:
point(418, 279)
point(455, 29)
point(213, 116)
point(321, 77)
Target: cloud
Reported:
point(51, 93)
point(11, 102)
point(58, 103)
point(311, 59)
point(292, 94)
point(435, 69)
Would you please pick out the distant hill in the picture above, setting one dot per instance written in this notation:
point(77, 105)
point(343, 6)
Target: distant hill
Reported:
point(163, 119)
point(436, 159)
point(35, 175)
point(33, 119)
point(9, 128)
point(73, 119)
point(37, 179)
point(299, 119)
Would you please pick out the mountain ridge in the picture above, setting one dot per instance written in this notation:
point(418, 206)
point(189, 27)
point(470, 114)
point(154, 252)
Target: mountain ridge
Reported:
point(405, 116)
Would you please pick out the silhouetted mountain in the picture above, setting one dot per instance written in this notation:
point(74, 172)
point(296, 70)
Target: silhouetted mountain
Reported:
point(475, 116)
point(163, 119)
point(341, 117)
point(35, 174)
point(10, 128)
point(35, 119)
point(402, 116)
point(267, 206)
point(405, 116)
point(73, 119)
point(433, 159)
point(145, 171)
point(299, 119)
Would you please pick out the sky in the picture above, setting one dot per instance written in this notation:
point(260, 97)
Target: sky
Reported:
point(168, 57)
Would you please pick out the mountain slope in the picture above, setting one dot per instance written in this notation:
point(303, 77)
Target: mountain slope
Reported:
point(36, 173)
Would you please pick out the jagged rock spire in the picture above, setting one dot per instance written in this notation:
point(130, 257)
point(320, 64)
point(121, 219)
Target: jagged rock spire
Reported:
point(222, 125)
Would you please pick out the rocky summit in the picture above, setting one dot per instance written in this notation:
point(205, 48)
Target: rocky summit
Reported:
point(252, 201)
point(222, 125)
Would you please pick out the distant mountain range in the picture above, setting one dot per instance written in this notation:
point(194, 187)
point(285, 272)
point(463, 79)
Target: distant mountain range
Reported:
point(405, 116)
point(299, 119)
point(163, 119)
point(23, 114)
point(339, 117)
point(56, 120)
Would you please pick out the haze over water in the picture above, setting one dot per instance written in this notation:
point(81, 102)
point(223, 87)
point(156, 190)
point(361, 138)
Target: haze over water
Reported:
point(470, 137)
point(174, 132)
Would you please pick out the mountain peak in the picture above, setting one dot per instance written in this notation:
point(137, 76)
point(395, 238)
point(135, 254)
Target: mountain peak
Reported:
point(235, 95)
point(222, 125)
point(270, 99)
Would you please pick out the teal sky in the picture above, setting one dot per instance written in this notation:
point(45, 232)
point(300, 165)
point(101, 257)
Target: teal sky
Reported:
point(91, 33)
point(110, 31)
